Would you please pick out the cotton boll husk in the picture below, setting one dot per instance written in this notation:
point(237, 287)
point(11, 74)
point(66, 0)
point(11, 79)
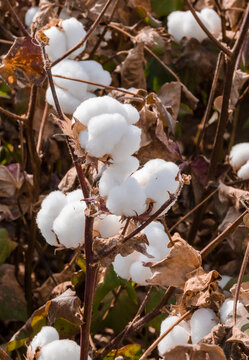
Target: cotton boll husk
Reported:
point(74, 32)
point(98, 106)
point(178, 336)
point(60, 349)
point(31, 15)
point(108, 225)
point(212, 20)
point(104, 132)
point(128, 199)
point(71, 68)
point(67, 101)
point(121, 264)
point(239, 155)
point(46, 335)
point(75, 195)
point(69, 226)
point(157, 237)
point(175, 24)
point(201, 323)
point(243, 172)
point(226, 312)
point(191, 28)
point(57, 43)
point(140, 273)
point(95, 73)
point(128, 144)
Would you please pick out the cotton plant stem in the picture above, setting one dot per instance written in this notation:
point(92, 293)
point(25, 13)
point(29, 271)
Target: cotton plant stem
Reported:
point(161, 337)
point(12, 115)
point(238, 285)
point(18, 21)
point(42, 128)
point(222, 47)
point(90, 31)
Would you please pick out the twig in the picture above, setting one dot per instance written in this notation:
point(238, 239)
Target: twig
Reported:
point(223, 48)
point(81, 42)
point(238, 285)
point(4, 355)
point(8, 42)
point(19, 23)
point(167, 231)
point(161, 337)
point(42, 127)
point(12, 115)
point(126, 226)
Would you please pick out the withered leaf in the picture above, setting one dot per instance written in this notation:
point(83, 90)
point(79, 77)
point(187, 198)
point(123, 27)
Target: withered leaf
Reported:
point(11, 180)
point(68, 181)
point(232, 195)
point(170, 95)
point(239, 336)
point(174, 269)
point(239, 79)
point(25, 55)
point(243, 292)
point(195, 352)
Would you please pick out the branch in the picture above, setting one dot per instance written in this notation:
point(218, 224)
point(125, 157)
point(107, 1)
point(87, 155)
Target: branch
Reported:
point(12, 115)
point(19, 23)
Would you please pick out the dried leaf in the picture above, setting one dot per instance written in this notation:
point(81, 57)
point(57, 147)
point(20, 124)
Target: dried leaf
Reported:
point(25, 55)
point(239, 336)
point(11, 180)
point(170, 95)
point(232, 195)
point(174, 270)
point(188, 98)
point(152, 38)
point(243, 292)
point(231, 12)
point(195, 352)
point(68, 181)
point(239, 79)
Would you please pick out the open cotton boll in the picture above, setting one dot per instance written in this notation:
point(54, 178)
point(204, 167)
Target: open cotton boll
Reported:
point(239, 154)
point(201, 323)
point(243, 172)
point(132, 116)
point(153, 251)
point(31, 15)
point(108, 225)
point(67, 101)
point(128, 144)
point(57, 43)
point(140, 273)
point(178, 336)
point(71, 68)
point(75, 195)
point(175, 24)
point(69, 225)
point(226, 313)
point(121, 264)
point(157, 237)
point(95, 73)
point(191, 27)
point(212, 21)
point(46, 335)
point(54, 202)
point(224, 280)
point(127, 199)
point(74, 33)
point(60, 349)
point(104, 132)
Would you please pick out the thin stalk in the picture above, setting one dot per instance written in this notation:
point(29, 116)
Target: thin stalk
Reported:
point(12, 115)
point(18, 21)
point(42, 127)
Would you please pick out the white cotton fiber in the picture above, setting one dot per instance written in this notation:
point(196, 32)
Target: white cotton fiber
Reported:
point(108, 225)
point(60, 349)
point(67, 101)
point(191, 27)
point(128, 144)
point(46, 335)
point(132, 114)
point(57, 43)
point(95, 73)
point(127, 199)
point(239, 155)
point(178, 336)
point(31, 15)
point(226, 312)
point(243, 172)
point(175, 24)
point(69, 226)
point(157, 237)
point(212, 21)
point(74, 33)
point(76, 195)
point(224, 280)
point(201, 323)
point(122, 264)
point(140, 273)
point(54, 202)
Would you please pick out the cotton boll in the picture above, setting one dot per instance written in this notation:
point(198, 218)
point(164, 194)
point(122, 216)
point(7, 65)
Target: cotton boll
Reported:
point(212, 20)
point(96, 73)
point(71, 68)
point(153, 251)
point(226, 312)
point(191, 28)
point(239, 155)
point(175, 24)
point(128, 144)
point(140, 273)
point(74, 33)
point(75, 195)
point(60, 349)
point(243, 172)
point(132, 113)
point(69, 226)
point(57, 43)
point(31, 15)
point(121, 264)
point(224, 280)
point(67, 102)
point(44, 222)
point(178, 336)
point(104, 132)
point(108, 225)
point(54, 202)
point(201, 323)
point(46, 335)
point(157, 237)
point(128, 199)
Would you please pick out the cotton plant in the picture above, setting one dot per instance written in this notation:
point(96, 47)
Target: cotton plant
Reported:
point(183, 23)
point(239, 159)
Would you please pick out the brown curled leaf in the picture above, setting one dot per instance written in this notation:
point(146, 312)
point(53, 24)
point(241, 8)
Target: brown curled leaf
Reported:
point(195, 352)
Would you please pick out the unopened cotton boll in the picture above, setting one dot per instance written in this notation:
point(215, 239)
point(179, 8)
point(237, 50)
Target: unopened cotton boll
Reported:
point(67, 101)
point(108, 225)
point(31, 15)
point(60, 349)
point(95, 73)
point(121, 264)
point(201, 323)
point(69, 226)
point(140, 273)
point(178, 336)
point(239, 155)
point(74, 33)
point(243, 172)
point(46, 335)
point(127, 199)
point(157, 237)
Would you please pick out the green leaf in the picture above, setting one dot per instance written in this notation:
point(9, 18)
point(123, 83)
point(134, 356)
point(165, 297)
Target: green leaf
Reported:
point(132, 351)
point(165, 7)
point(6, 245)
point(66, 328)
